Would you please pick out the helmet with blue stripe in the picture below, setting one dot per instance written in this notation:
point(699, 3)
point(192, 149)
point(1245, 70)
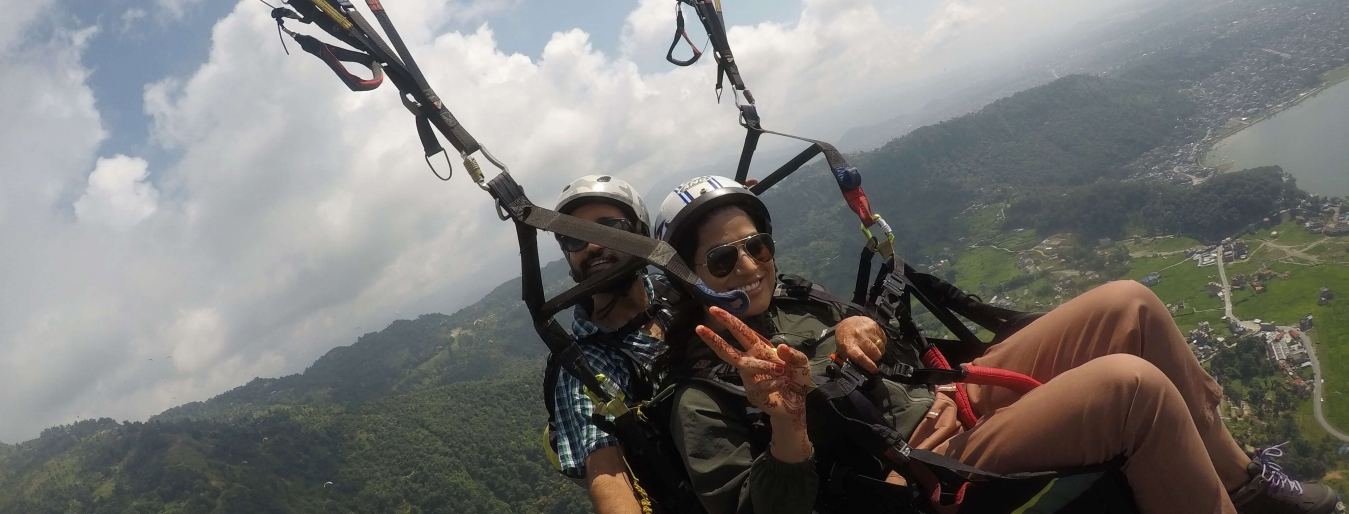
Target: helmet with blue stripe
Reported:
point(693, 199)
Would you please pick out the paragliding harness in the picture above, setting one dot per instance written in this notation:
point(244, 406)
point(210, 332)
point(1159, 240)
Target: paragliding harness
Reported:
point(836, 404)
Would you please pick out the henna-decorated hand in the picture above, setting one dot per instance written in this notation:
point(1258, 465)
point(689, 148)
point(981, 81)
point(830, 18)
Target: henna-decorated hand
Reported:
point(776, 379)
point(861, 340)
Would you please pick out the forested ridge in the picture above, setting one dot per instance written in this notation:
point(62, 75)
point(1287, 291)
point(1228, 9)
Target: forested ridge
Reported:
point(443, 413)
point(1213, 210)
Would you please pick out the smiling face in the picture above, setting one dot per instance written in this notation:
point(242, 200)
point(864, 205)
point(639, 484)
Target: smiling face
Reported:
point(594, 258)
point(757, 279)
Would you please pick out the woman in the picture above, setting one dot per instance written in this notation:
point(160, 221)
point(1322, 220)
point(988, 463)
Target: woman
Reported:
point(1146, 397)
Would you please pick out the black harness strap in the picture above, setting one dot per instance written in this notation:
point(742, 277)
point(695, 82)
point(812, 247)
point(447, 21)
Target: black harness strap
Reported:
point(710, 16)
point(749, 118)
point(347, 24)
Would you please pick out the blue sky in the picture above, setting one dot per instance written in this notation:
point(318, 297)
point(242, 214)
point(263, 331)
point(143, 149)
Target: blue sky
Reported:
point(190, 208)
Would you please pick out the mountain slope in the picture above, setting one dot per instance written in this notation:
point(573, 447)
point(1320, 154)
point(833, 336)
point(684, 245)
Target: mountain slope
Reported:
point(1075, 130)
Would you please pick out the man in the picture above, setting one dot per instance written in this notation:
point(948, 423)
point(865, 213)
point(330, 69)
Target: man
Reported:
point(620, 352)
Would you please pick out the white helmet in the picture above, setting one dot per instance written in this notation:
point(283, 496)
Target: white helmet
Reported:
point(701, 195)
point(606, 189)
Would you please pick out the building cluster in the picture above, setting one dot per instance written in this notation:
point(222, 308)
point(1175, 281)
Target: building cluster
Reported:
point(1257, 281)
point(1229, 250)
point(1202, 341)
point(1326, 296)
point(1284, 346)
point(1288, 47)
point(1152, 279)
point(1323, 215)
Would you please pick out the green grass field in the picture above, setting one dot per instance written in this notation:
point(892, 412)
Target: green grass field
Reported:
point(1335, 250)
point(987, 266)
point(1182, 281)
point(1161, 244)
point(1292, 234)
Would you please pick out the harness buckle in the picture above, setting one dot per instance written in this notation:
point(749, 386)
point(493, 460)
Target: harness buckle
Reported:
point(890, 297)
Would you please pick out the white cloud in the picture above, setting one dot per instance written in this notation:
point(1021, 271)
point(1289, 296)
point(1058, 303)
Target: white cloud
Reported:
point(175, 8)
point(118, 195)
point(130, 18)
point(296, 211)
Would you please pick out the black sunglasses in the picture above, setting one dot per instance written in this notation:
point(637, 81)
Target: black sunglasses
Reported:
point(573, 245)
point(721, 259)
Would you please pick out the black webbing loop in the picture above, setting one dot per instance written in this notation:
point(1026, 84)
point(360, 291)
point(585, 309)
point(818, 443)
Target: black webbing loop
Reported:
point(431, 146)
point(681, 33)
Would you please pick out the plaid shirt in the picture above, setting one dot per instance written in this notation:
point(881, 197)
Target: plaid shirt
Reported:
point(577, 435)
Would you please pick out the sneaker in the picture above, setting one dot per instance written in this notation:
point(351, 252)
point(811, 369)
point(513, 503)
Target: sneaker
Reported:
point(1270, 491)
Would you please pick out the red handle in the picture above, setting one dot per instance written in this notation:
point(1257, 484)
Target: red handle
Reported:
point(1018, 382)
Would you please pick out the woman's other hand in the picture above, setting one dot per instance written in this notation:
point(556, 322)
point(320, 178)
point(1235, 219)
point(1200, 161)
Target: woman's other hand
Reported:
point(861, 339)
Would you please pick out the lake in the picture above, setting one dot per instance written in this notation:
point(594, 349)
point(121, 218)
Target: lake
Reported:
point(1310, 141)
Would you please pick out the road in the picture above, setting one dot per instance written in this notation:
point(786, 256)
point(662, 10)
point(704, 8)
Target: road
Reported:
point(1316, 388)
point(1306, 343)
point(1227, 288)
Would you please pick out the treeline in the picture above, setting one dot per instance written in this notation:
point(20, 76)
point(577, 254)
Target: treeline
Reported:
point(469, 448)
point(1217, 208)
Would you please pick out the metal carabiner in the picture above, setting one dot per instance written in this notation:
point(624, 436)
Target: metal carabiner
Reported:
point(885, 243)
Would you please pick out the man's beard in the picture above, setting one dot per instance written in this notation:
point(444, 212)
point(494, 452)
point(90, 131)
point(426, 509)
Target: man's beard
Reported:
point(587, 269)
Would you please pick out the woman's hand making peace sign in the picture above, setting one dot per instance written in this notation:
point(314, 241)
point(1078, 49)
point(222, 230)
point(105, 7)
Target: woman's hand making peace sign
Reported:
point(776, 381)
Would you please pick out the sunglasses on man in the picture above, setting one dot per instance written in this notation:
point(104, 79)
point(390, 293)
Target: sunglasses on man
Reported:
point(721, 259)
point(572, 245)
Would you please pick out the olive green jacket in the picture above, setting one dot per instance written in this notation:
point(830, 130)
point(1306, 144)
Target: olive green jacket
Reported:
point(712, 429)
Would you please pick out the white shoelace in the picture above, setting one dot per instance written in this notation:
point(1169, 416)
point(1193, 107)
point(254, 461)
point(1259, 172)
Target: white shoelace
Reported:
point(1273, 473)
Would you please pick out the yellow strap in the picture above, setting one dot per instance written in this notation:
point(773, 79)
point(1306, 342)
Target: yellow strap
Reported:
point(548, 451)
point(642, 498)
point(1035, 499)
point(333, 13)
point(617, 407)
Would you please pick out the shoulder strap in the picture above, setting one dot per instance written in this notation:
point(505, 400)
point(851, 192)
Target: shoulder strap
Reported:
point(550, 377)
point(798, 288)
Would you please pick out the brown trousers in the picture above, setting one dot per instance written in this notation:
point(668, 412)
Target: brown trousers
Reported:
point(1118, 380)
